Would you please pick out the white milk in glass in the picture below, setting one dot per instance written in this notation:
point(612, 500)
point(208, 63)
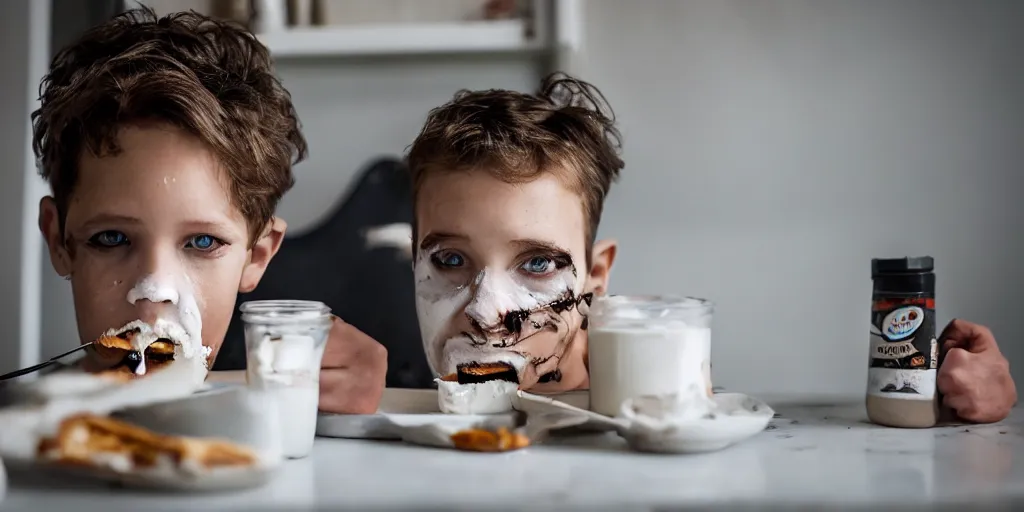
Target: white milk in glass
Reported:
point(285, 343)
point(648, 346)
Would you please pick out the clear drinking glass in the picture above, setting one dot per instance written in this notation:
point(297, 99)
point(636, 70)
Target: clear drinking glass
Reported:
point(648, 345)
point(284, 343)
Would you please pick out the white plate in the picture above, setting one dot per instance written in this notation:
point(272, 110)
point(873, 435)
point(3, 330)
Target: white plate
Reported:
point(404, 404)
point(232, 413)
point(214, 481)
point(437, 429)
point(738, 417)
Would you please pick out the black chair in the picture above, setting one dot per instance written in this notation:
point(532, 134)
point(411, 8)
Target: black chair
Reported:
point(371, 289)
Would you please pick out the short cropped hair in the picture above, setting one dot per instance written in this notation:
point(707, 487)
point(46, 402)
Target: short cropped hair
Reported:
point(211, 78)
point(567, 127)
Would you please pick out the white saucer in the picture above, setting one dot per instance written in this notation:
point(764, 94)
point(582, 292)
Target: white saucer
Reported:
point(737, 417)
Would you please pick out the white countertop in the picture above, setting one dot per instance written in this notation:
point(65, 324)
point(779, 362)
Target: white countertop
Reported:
point(812, 455)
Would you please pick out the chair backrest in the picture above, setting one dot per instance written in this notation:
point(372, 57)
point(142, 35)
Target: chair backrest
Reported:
point(370, 288)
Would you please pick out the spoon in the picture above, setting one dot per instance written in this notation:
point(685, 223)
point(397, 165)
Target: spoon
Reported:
point(44, 364)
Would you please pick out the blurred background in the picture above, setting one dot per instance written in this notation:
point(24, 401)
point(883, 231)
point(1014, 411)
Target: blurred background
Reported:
point(772, 149)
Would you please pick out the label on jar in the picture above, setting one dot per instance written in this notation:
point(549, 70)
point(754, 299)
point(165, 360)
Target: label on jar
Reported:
point(904, 351)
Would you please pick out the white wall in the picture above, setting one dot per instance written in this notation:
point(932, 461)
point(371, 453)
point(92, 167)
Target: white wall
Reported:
point(24, 29)
point(356, 110)
point(774, 148)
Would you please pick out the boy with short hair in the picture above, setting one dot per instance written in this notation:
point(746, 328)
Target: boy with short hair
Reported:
point(508, 192)
point(167, 144)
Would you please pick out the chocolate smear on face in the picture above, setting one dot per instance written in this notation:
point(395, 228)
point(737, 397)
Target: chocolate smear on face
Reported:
point(522, 324)
point(555, 376)
point(513, 320)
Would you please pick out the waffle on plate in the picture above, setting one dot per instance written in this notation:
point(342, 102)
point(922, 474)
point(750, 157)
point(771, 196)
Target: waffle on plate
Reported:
point(100, 442)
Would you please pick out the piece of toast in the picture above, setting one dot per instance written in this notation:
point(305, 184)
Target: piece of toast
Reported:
point(101, 442)
point(481, 440)
point(122, 359)
point(475, 373)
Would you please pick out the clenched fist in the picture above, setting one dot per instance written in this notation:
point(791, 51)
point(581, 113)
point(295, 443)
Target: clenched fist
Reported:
point(353, 371)
point(974, 377)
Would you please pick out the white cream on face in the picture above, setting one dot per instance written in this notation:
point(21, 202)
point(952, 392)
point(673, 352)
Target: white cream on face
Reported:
point(491, 294)
point(498, 292)
point(147, 334)
point(437, 302)
point(153, 289)
point(184, 326)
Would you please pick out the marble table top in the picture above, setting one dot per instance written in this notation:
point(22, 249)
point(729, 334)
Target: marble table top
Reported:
point(813, 455)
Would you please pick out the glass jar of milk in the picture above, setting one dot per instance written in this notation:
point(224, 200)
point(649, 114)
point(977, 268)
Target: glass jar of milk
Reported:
point(648, 345)
point(284, 343)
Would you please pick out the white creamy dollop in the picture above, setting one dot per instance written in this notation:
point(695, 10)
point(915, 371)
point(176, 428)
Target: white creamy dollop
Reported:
point(185, 346)
point(491, 397)
point(662, 411)
point(186, 326)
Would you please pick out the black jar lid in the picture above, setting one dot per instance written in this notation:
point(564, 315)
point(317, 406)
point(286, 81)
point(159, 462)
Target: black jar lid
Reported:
point(906, 265)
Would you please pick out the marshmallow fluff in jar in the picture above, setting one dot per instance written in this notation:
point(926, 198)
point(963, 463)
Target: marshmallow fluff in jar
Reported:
point(284, 343)
point(648, 345)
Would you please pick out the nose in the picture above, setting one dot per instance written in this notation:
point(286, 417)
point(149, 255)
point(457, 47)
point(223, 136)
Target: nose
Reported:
point(493, 295)
point(155, 287)
point(149, 311)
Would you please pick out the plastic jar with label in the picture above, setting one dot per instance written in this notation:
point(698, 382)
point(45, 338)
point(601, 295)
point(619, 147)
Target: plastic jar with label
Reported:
point(903, 361)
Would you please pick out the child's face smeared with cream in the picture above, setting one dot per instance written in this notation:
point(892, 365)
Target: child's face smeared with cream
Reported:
point(501, 276)
point(152, 233)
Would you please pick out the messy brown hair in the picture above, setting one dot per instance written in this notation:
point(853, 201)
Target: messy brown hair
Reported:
point(567, 127)
point(210, 78)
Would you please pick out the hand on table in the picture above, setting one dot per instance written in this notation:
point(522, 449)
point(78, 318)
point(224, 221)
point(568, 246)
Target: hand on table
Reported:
point(974, 377)
point(353, 371)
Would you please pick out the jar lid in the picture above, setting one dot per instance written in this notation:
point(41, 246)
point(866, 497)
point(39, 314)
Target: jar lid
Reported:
point(633, 311)
point(282, 311)
point(918, 264)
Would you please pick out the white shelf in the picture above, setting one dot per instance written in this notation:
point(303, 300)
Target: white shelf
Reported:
point(402, 39)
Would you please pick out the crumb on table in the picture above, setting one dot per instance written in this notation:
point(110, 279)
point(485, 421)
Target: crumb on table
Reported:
point(480, 440)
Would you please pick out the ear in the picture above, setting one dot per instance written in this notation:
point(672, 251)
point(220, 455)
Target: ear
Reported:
point(49, 226)
point(602, 258)
point(261, 253)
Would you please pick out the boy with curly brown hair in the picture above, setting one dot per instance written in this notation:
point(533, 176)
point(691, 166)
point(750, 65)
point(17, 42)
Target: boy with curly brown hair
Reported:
point(167, 143)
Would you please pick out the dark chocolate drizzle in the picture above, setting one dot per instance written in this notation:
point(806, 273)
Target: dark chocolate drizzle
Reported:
point(133, 359)
point(555, 376)
point(513, 322)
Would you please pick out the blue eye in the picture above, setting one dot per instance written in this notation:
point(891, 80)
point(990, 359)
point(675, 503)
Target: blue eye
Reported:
point(447, 259)
point(538, 265)
point(204, 243)
point(108, 239)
